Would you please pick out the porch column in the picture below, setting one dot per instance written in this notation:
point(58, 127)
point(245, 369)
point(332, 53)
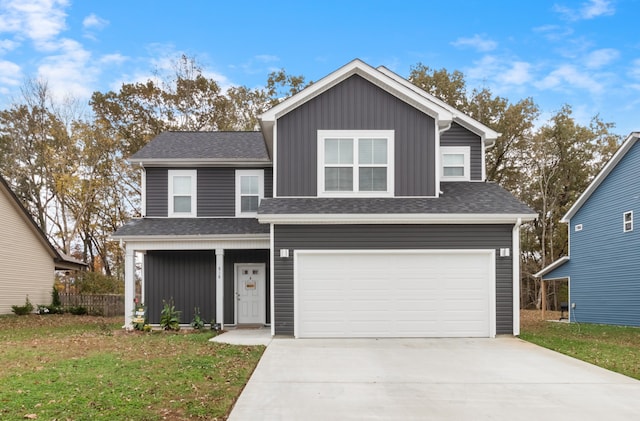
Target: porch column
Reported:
point(129, 285)
point(142, 277)
point(220, 287)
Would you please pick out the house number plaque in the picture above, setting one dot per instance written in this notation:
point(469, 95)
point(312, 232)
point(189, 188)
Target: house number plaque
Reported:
point(250, 284)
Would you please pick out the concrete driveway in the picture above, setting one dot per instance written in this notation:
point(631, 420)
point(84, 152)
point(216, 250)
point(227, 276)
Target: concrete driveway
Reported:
point(430, 379)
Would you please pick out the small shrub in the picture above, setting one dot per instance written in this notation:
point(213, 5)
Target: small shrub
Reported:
point(55, 298)
point(78, 310)
point(44, 310)
point(169, 316)
point(23, 310)
point(197, 323)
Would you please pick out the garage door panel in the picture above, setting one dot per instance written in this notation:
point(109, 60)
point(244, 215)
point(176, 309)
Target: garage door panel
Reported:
point(378, 294)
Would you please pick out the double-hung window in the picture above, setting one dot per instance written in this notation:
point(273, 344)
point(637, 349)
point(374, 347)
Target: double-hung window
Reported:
point(355, 162)
point(182, 193)
point(454, 161)
point(627, 219)
point(249, 191)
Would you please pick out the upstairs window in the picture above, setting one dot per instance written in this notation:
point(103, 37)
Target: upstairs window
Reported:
point(455, 163)
point(249, 191)
point(627, 219)
point(182, 193)
point(354, 162)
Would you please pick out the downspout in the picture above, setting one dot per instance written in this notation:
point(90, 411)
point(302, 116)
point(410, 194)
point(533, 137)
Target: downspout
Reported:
point(441, 129)
point(516, 276)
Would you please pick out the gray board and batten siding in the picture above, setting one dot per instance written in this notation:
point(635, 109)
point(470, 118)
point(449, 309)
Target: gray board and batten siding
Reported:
point(459, 136)
point(356, 104)
point(188, 277)
point(371, 237)
point(216, 190)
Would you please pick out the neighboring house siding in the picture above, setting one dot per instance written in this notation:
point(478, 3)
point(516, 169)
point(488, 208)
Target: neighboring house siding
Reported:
point(157, 192)
point(367, 237)
point(26, 267)
point(355, 104)
point(231, 257)
point(216, 191)
point(187, 277)
point(459, 136)
point(605, 261)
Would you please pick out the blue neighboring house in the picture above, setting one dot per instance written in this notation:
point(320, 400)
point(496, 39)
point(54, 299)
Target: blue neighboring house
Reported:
point(603, 266)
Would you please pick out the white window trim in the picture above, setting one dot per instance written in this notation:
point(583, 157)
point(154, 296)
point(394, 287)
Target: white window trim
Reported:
point(625, 222)
point(239, 174)
point(194, 189)
point(465, 151)
point(357, 134)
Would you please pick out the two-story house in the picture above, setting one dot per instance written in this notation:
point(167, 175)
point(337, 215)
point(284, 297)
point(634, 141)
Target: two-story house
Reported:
point(359, 210)
point(603, 266)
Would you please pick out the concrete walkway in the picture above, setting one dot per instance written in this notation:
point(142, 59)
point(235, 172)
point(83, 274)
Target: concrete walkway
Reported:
point(430, 379)
point(258, 336)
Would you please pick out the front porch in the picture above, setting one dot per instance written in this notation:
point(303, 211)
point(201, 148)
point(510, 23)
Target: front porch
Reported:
point(227, 279)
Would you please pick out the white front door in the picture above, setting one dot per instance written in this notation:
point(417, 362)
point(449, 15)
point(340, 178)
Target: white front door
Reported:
point(250, 293)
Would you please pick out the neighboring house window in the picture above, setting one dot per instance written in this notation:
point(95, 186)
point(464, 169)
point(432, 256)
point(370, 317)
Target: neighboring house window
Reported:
point(355, 162)
point(182, 193)
point(578, 227)
point(249, 191)
point(455, 163)
point(628, 221)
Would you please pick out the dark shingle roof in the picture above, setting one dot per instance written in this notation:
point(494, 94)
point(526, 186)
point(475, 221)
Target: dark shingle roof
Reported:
point(244, 146)
point(456, 198)
point(191, 226)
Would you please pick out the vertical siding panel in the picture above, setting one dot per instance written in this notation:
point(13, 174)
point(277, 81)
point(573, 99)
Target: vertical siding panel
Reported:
point(356, 104)
point(186, 276)
point(157, 191)
point(369, 237)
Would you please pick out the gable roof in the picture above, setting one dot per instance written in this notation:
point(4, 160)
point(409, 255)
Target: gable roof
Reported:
point(617, 157)
point(460, 201)
point(442, 115)
point(196, 148)
point(61, 261)
point(487, 134)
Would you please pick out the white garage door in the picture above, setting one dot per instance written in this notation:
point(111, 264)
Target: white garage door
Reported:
point(421, 293)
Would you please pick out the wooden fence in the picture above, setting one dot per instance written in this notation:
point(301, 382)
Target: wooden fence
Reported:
point(107, 305)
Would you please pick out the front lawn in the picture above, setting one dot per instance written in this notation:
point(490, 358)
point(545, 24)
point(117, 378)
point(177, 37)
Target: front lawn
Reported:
point(616, 348)
point(82, 367)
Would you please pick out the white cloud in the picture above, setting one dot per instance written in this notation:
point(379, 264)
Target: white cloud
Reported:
point(589, 10)
point(602, 57)
point(569, 76)
point(554, 32)
point(480, 43)
point(94, 21)
point(10, 73)
point(518, 74)
point(113, 59)
point(69, 73)
point(7, 45)
point(267, 58)
point(37, 20)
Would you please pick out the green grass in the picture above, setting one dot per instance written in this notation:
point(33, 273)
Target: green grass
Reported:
point(615, 348)
point(81, 367)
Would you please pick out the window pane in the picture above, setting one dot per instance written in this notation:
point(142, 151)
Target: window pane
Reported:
point(365, 151)
point(249, 204)
point(379, 151)
point(373, 179)
point(338, 179)
point(338, 151)
point(182, 204)
point(181, 184)
point(627, 217)
point(249, 184)
point(453, 159)
point(453, 171)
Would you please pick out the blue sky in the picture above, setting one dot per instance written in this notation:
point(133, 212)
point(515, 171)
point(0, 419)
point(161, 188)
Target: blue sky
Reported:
point(584, 53)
